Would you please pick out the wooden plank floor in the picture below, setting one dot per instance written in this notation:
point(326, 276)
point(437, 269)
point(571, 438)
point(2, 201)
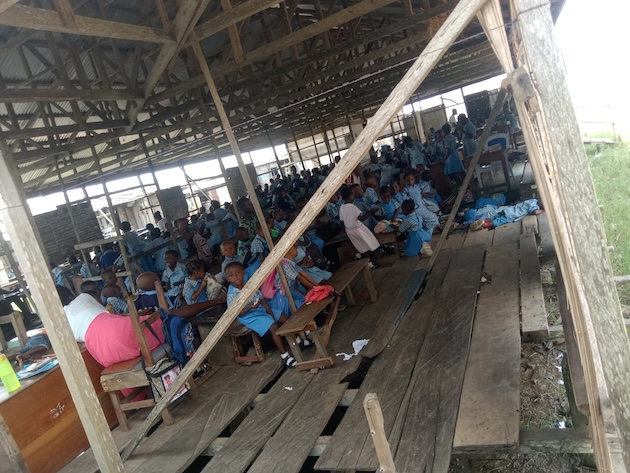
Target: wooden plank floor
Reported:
point(418, 377)
point(428, 429)
point(489, 405)
point(533, 312)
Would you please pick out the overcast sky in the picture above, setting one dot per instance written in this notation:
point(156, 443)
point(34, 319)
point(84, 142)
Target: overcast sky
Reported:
point(596, 57)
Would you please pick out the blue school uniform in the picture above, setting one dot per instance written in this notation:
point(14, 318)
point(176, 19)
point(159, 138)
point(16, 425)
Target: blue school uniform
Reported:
point(279, 300)
point(190, 286)
point(256, 319)
point(470, 139)
point(316, 273)
point(416, 235)
point(280, 226)
point(259, 246)
point(231, 223)
point(370, 199)
point(452, 163)
point(332, 210)
point(389, 210)
point(399, 198)
point(173, 276)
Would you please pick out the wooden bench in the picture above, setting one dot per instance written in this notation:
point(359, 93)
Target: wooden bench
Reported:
point(304, 318)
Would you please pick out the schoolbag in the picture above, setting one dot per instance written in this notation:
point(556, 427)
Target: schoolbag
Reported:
point(313, 252)
point(179, 335)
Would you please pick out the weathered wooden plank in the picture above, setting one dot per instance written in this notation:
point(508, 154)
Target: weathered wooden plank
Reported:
point(40, 19)
point(258, 427)
point(506, 234)
point(454, 241)
point(533, 312)
point(375, 420)
point(421, 310)
point(489, 405)
point(427, 434)
point(544, 234)
point(173, 448)
point(294, 440)
point(400, 299)
point(481, 237)
point(573, 353)
point(529, 224)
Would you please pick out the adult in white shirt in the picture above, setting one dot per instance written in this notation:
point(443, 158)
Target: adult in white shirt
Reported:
point(160, 221)
point(109, 338)
point(453, 119)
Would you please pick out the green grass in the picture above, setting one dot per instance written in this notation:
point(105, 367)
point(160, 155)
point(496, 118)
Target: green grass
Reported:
point(610, 167)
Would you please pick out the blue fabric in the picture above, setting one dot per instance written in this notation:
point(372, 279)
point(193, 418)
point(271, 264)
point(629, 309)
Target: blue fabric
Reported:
point(179, 335)
point(259, 320)
point(452, 163)
point(470, 139)
point(190, 286)
point(514, 213)
point(389, 209)
point(108, 258)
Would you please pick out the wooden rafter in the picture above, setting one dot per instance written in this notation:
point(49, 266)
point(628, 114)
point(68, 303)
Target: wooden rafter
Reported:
point(40, 19)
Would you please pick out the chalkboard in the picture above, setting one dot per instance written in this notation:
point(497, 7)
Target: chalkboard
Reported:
point(235, 181)
point(173, 203)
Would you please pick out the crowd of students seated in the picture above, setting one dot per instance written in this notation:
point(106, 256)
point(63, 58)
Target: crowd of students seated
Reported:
point(391, 193)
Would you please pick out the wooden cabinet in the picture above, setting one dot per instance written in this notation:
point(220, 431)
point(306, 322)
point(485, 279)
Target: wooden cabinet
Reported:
point(43, 422)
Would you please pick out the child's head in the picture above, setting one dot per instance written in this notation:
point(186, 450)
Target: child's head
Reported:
point(394, 187)
point(228, 249)
point(112, 290)
point(358, 191)
point(241, 234)
point(91, 288)
point(290, 216)
point(335, 197)
point(347, 194)
point(155, 234)
point(278, 215)
point(292, 252)
point(270, 221)
point(181, 224)
point(407, 206)
point(72, 260)
point(410, 179)
point(235, 274)
point(371, 182)
point(109, 277)
point(170, 258)
point(146, 281)
point(196, 269)
point(149, 227)
point(300, 203)
point(259, 230)
point(420, 168)
point(125, 226)
point(386, 196)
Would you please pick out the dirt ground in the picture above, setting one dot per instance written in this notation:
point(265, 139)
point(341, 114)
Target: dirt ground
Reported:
point(544, 402)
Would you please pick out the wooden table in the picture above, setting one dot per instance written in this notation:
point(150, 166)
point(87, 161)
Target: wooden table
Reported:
point(40, 428)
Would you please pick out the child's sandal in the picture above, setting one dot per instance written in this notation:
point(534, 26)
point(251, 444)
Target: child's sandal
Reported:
point(289, 361)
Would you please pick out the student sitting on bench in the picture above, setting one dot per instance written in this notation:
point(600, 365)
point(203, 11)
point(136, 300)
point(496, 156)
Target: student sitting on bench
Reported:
point(195, 283)
point(297, 279)
point(419, 223)
point(256, 315)
point(114, 301)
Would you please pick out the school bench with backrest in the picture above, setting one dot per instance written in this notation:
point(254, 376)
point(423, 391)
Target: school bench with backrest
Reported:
point(131, 374)
point(304, 318)
point(205, 322)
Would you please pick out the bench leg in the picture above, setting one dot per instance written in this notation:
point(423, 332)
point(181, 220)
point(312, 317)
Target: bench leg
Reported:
point(120, 415)
point(330, 320)
point(349, 295)
point(260, 354)
point(167, 417)
point(17, 320)
point(295, 348)
point(369, 284)
point(193, 392)
point(320, 345)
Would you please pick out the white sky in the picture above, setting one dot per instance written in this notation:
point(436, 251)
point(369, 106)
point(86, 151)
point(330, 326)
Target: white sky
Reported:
point(594, 54)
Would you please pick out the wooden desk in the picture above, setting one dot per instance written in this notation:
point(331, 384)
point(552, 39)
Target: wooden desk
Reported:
point(490, 157)
point(42, 423)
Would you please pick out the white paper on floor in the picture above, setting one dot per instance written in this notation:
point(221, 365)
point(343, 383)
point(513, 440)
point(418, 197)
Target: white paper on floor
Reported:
point(357, 345)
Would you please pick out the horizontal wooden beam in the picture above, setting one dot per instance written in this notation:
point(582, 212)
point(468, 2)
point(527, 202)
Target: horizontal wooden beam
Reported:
point(6, 4)
point(236, 14)
point(61, 129)
point(40, 19)
point(22, 95)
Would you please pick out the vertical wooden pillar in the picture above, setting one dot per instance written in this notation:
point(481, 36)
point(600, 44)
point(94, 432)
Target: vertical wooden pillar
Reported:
point(297, 147)
point(325, 135)
point(319, 161)
point(276, 154)
point(552, 133)
point(8, 251)
point(21, 229)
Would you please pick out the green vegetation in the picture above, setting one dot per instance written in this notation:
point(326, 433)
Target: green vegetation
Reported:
point(610, 167)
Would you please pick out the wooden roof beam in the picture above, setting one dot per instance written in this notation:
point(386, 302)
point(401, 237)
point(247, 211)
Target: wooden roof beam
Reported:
point(187, 16)
point(20, 95)
point(6, 4)
point(40, 19)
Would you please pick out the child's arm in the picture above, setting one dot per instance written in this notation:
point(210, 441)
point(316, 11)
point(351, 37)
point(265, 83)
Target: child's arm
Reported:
point(200, 289)
point(367, 214)
point(306, 280)
point(265, 304)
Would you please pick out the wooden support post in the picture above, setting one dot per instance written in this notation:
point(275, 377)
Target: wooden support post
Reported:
point(297, 147)
point(567, 192)
point(276, 154)
point(374, 415)
point(8, 251)
point(239, 159)
point(84, 254)
point(319, 161)
point(469, 173)
point(18, 220)
point(328, 148)
point(448, 32)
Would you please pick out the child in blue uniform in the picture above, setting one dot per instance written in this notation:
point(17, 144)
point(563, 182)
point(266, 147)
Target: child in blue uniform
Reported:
point(195, 283)
point(389, 208)
point(396, 193)
point(256, 314)
point(419, 223)
point(294, 275)
point(453, 166)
